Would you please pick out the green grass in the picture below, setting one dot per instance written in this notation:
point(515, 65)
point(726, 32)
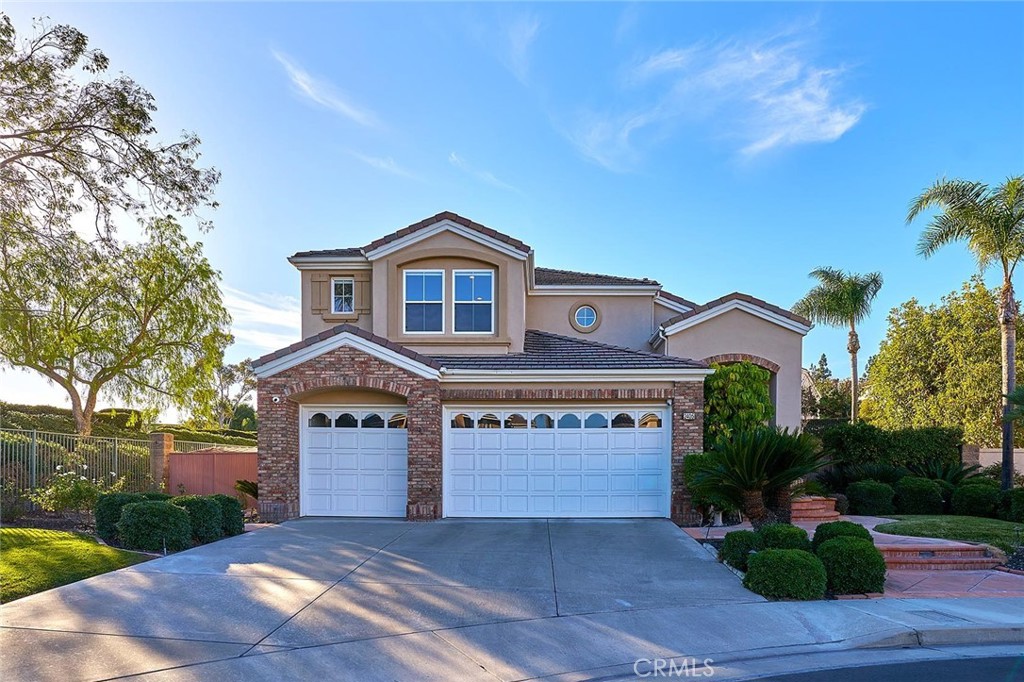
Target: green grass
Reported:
point(1001, 534)
point(33, 560)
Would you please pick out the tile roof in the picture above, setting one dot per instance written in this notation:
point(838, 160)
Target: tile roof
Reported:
point(677, 299)
point(329, 252)
point(550, 276)
point(737, 296)
point(352, 329)
point(544, 350)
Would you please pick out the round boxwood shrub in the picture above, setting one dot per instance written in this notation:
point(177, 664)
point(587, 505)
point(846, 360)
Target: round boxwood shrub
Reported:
point(232, 520)
point(108, 512)
point(737, 546)
point(916, 495)
point(786, 574)
point(204, 515)
point(975, 500)
point(839, 529)
point(154, 527)
point(158, 497)
point(982, 480)
point(853, 565)
point(784, 536)
point(870, 498)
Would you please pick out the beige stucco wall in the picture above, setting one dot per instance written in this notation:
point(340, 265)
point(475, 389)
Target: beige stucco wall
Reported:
point(623, 320)
point(739, 332)
point(316, 315)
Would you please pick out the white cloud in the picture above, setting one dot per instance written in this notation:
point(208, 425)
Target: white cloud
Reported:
point(324, 93)
point(481, 175)
point(385, 164)
point(757, 94)
point(263, 322)
point(519, 36)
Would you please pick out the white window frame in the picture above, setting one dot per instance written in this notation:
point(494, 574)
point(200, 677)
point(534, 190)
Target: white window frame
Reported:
point(494, 279)
point(405, 282)
point(576, 313)
point(352, 282)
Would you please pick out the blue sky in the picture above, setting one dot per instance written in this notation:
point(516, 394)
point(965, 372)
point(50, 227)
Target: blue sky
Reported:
point(713, 147)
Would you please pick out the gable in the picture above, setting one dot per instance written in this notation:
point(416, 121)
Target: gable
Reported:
point(467, 230)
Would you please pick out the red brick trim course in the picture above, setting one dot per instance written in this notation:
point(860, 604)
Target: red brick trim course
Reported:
point(725, 358)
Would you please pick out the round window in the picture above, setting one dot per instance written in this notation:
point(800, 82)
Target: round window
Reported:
point(586, 316)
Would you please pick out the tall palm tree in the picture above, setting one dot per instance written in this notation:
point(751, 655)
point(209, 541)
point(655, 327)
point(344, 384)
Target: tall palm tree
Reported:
point(842, 299)
point(991, 222)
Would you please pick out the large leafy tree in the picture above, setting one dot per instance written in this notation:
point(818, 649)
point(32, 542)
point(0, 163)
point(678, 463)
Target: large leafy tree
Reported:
point(990, 221)
point(827, 397)
point(139, 322)
point(236, 383)
point(842, 299)
point(939, 365)
point(75, 141)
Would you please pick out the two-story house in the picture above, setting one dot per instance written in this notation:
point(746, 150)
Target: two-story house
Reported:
point(443, 373)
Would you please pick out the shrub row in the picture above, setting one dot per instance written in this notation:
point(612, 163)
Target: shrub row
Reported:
point(152, 521)
point(862, 443)
point(978, 496)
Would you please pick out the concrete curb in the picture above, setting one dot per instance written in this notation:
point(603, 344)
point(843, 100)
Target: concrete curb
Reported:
point(950, 637)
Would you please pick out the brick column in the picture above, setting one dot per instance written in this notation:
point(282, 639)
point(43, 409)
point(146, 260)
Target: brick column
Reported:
point(161, 445)
point(424, 425)
point(687, 438)
point(278, 446)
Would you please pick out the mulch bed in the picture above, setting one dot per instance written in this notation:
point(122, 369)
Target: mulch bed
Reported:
point(52, 521)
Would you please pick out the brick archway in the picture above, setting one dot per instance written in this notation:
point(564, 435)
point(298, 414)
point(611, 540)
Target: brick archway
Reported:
point(329, 381)
point(763, 363)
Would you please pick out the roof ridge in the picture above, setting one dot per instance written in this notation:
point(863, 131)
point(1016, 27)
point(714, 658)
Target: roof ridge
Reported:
point(738, 296)
point(595, 274)
point(351, 329)
point(609, 346)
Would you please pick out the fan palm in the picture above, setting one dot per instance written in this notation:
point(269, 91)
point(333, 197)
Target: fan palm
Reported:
point(991, 222)
point(842, 299)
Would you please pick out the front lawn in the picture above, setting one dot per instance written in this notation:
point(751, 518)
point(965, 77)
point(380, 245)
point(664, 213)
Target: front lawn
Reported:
point(33, 560)
point(1001, 534)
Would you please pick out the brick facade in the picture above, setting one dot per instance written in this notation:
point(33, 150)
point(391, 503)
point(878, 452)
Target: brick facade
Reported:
point(726, 358)
point(347, 367)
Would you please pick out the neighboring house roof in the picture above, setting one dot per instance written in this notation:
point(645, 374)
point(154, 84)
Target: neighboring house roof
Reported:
point(676, 299)
point(344, 253)
point(544, 350)
point(553, 277)
point(741, 301)
point(353, 330)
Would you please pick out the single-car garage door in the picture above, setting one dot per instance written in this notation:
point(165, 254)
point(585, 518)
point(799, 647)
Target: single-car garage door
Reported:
point(354, 461)
point(599, 461)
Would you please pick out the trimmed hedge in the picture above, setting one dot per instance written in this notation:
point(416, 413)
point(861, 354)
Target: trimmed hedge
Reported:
point(842, 503)
point(232, 519)
point(154, 527)
point(975, 500)
point(853, 565)
point(1015, 498)
point(158, 497)
point(737, 546)
point(839, 529)
point(870, 498)
point(916, 495)
point(786, 574)
point(204, 515)
point(784, 536)
point(946, 489)
point(108, 512)
point(861, 443)
point(983, 480)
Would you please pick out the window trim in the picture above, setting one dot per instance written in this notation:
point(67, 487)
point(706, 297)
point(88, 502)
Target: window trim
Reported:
point(576, 325)
point(494, 279)
point(405, 301)
point(352, 283)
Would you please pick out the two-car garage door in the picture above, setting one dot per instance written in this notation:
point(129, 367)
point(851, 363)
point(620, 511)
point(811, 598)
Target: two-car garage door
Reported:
point(498, 461)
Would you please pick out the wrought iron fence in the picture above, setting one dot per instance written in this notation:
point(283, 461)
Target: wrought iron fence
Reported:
point(189, 446)
point(29, 459)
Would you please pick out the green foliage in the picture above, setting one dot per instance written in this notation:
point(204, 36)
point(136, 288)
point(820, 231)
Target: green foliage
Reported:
point(786, 574)
point(995, 472)
point(853, 565)
point(975, 500)
point(250, 488)
point(947, 489)
point(157, 497)
point(1002, 534)
point(842, 503)
point(736, 398)
point(828, 399)
point(204, 516)
point(108, 512)
point(838, 529)
point(737, 546)
point(203, 436)
point(863, 443)
point(837, 478)
point(692, 465)
point(840, 299)
point(944, 470)
point(1014, 504)
point(155, 526)
point(13, 502)
point(916, 495)
point(981, 480)
point(870, 498)
point(70, 490)
point(244, 419)
point(232, 519)
point(784, 536)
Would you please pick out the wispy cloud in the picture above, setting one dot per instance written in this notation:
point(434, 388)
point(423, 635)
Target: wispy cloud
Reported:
point(759, 94)
point(385, 164)
point(264, 322)
point(324, 93)
point(515, 42)
point(482, 175)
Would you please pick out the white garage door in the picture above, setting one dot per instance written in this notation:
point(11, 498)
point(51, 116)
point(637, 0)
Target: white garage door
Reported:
point(354, 461)
point(557, 462)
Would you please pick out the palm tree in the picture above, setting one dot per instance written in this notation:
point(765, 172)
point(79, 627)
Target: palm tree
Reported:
point(842, 299)
point(991, 221)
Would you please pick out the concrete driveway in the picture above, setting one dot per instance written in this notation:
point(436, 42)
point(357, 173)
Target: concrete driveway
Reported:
point(368, 599)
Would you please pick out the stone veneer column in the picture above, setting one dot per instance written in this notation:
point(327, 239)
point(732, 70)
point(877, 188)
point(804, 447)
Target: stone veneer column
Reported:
point(687, 438)
point(278, 458)
point(161, 445)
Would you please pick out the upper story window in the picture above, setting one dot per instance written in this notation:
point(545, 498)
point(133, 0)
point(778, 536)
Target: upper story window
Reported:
point(424, 301)
point(343, 298)
point(474, 301)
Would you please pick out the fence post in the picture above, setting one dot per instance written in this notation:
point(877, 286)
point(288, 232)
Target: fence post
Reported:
point(117, 469)
point(35, 453)
point(160, 447)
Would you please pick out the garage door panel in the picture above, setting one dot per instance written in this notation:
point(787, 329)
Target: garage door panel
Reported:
point(595, 441)
point(346, 482)
point(320, 460)
point(622, 441)
point(542, 462)
point(489, 482)
point(541, 441)
point(489, 439)
point(515, 461)
point(517, 441)
point(461, 440)
point(650, 441)
point(570, 483)
point(595, 461)
point(542, 483)
point(517, 483)
point(462, 483)
point(346, 440)
point(342, 460)
point(318, 439)
point(569, 441)
point(489, 461)
point(570, 462)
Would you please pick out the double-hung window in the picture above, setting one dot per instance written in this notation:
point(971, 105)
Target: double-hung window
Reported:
point(474, 301)
point(424, 301)
point(343, 295)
